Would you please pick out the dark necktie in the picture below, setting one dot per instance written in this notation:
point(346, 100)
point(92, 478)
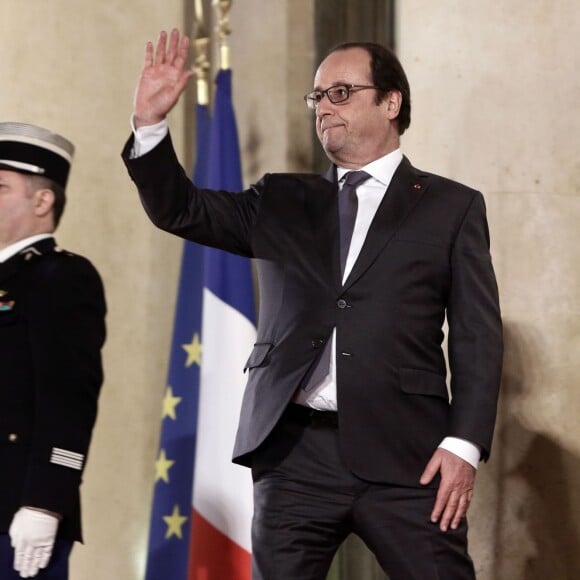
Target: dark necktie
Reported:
point(347, 208)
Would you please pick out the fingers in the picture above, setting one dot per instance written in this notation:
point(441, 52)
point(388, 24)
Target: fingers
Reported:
point(182, 53)
point(455, 489)
point(148, 61)
point(161, 48)
point(173, 44)
point(174, 54)
point(451, 510)
point(30, 560)
point(27, 566)
point(44, 554)
point(431, 470)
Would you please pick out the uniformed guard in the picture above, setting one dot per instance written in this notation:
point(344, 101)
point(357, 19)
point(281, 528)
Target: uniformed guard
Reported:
point(52, 329)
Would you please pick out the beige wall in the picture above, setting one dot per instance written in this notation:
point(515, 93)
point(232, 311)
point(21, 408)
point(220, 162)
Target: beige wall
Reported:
point(495, 96)
point(72, 67)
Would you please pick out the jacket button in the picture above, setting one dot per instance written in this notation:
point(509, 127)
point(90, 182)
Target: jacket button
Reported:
point(341, 303)
point(13, 437)
point(317, 343)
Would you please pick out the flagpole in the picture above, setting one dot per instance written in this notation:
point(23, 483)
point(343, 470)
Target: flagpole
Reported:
point(201, 64)
point(222, 8)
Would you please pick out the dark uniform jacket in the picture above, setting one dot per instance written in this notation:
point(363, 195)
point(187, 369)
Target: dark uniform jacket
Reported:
point(52, 311)
point(426, 255)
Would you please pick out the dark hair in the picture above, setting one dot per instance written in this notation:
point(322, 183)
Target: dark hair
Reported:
point(39, 182)
point(388, 74)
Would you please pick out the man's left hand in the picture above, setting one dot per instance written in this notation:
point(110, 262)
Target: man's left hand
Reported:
point(455, 491)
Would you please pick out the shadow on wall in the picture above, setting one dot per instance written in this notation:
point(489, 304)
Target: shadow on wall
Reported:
point(537, 534)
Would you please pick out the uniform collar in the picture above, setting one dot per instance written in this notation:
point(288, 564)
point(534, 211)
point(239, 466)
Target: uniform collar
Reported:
point(16, 247)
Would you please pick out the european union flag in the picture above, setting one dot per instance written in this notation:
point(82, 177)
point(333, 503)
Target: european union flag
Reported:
point(170, 524)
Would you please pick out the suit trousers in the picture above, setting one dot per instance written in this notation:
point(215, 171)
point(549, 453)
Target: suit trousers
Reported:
point(57, 568)
point(306, 502)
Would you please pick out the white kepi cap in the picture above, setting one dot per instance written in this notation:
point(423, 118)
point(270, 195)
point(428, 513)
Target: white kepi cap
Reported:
point(36, 151)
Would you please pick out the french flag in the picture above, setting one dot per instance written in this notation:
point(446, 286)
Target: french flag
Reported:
point(220, 546)
point(202, 502)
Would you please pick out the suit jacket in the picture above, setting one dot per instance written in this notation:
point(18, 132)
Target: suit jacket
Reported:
point(52, 310)
point(426, 255)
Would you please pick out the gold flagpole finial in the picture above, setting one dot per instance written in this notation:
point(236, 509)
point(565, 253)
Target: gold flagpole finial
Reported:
point(201, 64)
point(223, 29)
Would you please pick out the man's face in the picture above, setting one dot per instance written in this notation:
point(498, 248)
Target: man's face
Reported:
point(17, 208)
point(357, 131)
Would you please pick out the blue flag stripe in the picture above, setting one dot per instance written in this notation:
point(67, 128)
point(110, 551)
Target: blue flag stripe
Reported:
point(226, 275)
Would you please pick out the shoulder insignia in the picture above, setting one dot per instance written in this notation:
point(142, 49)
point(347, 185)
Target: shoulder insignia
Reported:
point(29, 253)
point(63, 251)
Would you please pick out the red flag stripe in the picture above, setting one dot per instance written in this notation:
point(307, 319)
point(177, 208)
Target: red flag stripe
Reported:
point(213, 556)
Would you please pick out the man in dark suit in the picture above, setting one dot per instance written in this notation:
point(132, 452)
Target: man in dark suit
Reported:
point(52, 328)
point(346, 420)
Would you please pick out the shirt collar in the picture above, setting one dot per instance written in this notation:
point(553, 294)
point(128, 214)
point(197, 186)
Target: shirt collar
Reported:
point(14, 248)
point(381, 169)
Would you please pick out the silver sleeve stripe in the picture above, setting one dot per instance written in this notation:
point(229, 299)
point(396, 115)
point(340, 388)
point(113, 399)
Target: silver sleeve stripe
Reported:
point(67, 458)
point(66, 453)
point(65, 463)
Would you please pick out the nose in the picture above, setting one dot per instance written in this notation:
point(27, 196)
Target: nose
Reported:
point(324, 107)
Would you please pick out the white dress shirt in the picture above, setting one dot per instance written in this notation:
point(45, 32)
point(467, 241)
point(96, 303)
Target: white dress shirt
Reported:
point(369, 194)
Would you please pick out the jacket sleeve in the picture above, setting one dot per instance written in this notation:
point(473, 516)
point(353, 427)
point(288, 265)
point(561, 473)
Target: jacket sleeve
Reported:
point(475, 331)
point(219, 219)
point(67, 331)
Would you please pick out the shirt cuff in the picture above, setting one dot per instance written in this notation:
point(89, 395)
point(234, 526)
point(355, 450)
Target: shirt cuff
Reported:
point(469, 452)
point(147, 137)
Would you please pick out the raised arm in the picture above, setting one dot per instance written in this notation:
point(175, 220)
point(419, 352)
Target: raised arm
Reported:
point(163, 78)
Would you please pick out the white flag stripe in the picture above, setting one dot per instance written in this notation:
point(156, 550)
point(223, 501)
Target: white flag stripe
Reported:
point(222, 491)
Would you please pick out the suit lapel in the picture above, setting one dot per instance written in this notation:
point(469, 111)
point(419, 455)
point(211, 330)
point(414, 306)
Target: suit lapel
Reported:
point(406, 188)
point(322, 211)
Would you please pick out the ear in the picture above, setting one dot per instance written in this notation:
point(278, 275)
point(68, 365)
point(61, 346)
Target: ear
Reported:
point(393, 104)
point(43, 202)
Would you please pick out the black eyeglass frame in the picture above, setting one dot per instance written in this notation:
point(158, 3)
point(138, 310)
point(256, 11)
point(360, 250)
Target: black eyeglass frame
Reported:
point(312, 103)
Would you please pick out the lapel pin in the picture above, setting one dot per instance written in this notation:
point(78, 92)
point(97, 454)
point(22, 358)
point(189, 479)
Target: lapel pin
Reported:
point(417, 186)
point(5, 306)
point(3, 293)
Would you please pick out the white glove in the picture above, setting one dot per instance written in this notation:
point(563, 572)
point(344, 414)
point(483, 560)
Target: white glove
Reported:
point(32, 534)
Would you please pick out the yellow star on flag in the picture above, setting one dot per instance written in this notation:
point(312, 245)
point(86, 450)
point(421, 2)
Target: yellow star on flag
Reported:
point(193, 350)
point(162, 467)
point(174, 523)
point(169, 404)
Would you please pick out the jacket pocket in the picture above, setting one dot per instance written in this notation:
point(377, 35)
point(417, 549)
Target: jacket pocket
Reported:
point(419, 382)
point(258, 355)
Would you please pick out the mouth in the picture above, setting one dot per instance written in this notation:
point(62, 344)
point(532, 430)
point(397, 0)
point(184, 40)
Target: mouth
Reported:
point(325, 128)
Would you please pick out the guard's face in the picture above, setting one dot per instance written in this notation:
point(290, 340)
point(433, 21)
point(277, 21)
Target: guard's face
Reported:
point(17, 208)
point(357, 131)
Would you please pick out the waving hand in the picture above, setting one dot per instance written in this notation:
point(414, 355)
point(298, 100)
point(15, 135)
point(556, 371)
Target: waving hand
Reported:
point(163, 78)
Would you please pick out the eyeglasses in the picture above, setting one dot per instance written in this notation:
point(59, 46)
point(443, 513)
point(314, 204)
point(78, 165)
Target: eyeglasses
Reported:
point(336, 94)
